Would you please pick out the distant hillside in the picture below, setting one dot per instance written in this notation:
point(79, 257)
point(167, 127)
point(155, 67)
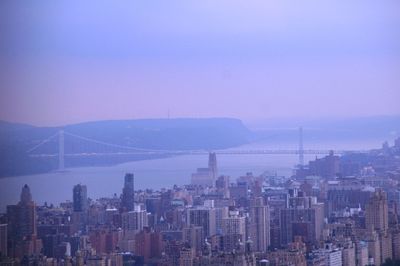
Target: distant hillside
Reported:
point(167, 134)
point(177, 134)
point(337, 129)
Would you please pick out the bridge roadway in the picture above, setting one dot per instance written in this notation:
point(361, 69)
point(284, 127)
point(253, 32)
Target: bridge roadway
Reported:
point(203, 152)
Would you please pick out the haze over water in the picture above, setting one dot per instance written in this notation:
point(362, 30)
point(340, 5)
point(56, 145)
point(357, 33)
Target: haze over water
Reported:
point(56, 187)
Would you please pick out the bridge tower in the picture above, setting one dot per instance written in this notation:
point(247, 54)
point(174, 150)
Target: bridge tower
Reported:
point(61, 150)
point(301, 148)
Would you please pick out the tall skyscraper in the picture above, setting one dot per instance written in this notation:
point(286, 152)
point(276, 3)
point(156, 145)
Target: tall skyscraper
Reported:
point(376, 212)
point(206, 176)
point(22, 217)
point(3, 240)
point(22, 228)
point(259, 225)
point(128, 193)
point(212, 165)
point(80, 201)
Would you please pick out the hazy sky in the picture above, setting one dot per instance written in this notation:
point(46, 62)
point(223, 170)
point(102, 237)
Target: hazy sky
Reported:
point(72, 61)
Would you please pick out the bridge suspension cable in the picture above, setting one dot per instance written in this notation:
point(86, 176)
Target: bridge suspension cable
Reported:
point(116, 145)
point(129, 150)
point(42, 143)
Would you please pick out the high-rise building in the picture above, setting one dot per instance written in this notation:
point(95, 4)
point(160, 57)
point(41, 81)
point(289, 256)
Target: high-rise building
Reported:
point(202, 216)
point(22, 217)
point(259, 225)
point(202, 177)
point(396, 245)
point(349, 254)
point(327, 167)
point(134, 220)
point(186, 257)
point(22, 228)
point(206, 176)
point(239, 191)
point(304, 218)
point(212, 165)
point(374, 248)
point(234, 231)
point(386, 252)
point(234, 224)
point(194, 236)
point(80, 207)
point(80, 201)
point(220, 214)
point(148, 244)
point(362, 253)
point(128, 193)
point(333, 257)
point(338, 199)
point(222, 185)
point(376, 212)
point(397, 143)
point(3, 240)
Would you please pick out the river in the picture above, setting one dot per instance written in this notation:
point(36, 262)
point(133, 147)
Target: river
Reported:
point(56, 187)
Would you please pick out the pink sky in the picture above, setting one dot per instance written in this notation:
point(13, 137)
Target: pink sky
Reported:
point(69, 61)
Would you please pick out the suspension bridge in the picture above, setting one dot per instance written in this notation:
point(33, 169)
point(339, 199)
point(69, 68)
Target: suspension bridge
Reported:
point(87, 147)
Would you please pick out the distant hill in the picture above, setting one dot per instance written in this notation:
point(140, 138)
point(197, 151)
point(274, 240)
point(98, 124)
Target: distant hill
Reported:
point(337, 129)
point(178, 134)
point(163, 134)
point(175, 134)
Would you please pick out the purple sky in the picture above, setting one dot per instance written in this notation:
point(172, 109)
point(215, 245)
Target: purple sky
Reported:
point(72, 61)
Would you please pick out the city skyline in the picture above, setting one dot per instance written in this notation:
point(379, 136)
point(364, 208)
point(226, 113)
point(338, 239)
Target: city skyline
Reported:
point(333, 211)
point(193, 133)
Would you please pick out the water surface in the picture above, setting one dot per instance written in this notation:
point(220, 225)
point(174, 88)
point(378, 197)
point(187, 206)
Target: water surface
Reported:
point(56, 187)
